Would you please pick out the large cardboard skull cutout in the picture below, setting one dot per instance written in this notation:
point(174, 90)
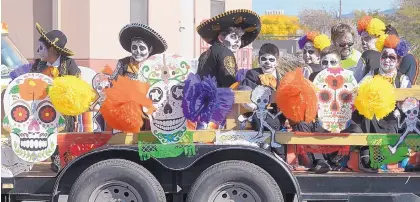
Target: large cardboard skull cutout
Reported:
point(31, 118)
point(336, 90)
point(166, 75)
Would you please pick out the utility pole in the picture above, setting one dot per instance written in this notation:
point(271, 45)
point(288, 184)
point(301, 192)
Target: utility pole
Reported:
point(339, 14)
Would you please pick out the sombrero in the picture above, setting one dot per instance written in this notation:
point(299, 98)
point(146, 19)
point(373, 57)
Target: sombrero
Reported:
point(248, 20)
point(56, 39)
point(150, 36)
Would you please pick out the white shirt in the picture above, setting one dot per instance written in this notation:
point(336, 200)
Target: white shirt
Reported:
point(56, 63)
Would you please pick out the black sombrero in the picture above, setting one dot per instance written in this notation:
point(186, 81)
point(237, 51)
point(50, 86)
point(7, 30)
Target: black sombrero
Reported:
point(248, 20)
point(56, 39)
point(150, 36)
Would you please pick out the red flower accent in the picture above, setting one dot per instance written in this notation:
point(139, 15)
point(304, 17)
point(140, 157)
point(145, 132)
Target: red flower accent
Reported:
point(335, 82)
point(20, 114)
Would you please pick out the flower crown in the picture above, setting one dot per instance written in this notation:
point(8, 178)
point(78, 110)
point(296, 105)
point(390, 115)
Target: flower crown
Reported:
point(400, 46)
point(371, 26)
point(320, 41)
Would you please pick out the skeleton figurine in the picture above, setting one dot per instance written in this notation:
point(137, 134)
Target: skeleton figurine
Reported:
point(261, 97)
point(100, 82)
point(410, 107)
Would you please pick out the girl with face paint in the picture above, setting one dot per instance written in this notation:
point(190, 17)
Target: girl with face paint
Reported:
point(142, 42)
point(312, 44)
point(343, 39)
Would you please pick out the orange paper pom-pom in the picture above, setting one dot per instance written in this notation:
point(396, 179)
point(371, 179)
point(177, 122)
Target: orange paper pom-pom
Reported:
point(311, 35)
point(391, 41)
point(107, 70)
point(122, 108)
point(296, 97)
point(363, 22)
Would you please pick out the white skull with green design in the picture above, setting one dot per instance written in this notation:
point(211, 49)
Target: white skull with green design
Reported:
point(33, 123)
point(166, 75)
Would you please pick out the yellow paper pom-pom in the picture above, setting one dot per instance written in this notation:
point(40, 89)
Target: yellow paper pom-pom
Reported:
point(70, 95)
point(322, 41)
point(376, 27)
point(375, 97)
point(380, 42)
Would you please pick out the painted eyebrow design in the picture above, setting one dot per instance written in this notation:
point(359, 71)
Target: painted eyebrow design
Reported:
point(21, 102)
point(42, 102)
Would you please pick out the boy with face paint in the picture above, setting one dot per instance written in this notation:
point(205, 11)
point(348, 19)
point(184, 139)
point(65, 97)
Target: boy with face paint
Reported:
point(342, 38)
point(227, 33)
point(142, 42)
point(312, 44)
point(329, 82)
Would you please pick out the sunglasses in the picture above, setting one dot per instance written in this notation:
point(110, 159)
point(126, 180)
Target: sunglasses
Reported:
point(265, 59)
point(342, 45)
point(326, 62)
point(308, 51)
point(391, 57)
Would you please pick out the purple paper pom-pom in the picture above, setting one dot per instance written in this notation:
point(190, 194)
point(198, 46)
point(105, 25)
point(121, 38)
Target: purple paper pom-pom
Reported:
point(20, 70)
point(204, 102)
point(302, 41)
point(402, 48)
point(241, 74)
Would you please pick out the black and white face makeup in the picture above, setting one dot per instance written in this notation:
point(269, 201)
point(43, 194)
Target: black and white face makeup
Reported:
point(139, 50)
point(233, 39)
point(310, 53)
point(268, 63)
point(345, 43)
point(330, 61)
point(389, 60)
point(368, 43)
point(42, 51)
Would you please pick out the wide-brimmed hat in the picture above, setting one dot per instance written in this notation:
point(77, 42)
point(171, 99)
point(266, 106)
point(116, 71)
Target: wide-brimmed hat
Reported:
point(147, 34)
point(56, 39)
point(246, 19)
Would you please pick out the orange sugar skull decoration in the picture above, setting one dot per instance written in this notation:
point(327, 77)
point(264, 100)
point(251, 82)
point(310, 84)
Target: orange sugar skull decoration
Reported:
point(31, 118)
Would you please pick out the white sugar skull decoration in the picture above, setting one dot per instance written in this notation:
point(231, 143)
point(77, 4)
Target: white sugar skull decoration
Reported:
point(139, 50)
point(336, 91)
point(166, 75)
point(31, 118)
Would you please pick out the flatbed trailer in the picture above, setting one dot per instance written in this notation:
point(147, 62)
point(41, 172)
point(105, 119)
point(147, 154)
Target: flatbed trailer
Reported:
point(179, 175)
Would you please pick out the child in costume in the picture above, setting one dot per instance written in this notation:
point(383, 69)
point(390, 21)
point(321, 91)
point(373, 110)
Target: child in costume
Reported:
point(312, 44)
point(227, 33)
point(369, 29)
point(335, 91)
point(142, 42)
point(342, 38)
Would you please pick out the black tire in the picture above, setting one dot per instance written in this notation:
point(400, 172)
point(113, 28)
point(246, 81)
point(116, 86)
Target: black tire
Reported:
point(230, 172)
point(119, 170)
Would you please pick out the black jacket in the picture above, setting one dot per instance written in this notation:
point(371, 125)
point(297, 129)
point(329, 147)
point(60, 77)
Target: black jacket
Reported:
point(67, 66)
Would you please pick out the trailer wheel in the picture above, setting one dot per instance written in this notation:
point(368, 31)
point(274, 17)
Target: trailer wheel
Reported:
point(116, 180)
point(235, 181)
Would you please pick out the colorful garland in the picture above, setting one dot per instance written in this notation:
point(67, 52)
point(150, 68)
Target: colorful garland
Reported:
point(320, 41)
point(371, 26)
point(400, 46)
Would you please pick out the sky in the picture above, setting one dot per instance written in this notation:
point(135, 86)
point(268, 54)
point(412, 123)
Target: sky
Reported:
point(293, 7)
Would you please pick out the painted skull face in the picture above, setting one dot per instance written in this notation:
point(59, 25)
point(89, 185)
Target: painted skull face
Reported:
point(345, 43)
point(261, 96)
point(139, 50)
point(268, 63)
point(31, 118)
point(336, 90)
point(410, 107)
point(101, 82)
point(330, 61)
point(233, 39)
point(389, 60)
point(310, 53)
point(166, 75)
point(42, 51)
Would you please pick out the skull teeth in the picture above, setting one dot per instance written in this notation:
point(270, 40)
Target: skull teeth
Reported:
point(169, 125)
point(33, 144)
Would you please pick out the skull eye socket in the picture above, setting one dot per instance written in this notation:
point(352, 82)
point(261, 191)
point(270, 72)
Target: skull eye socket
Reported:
point(20, 113)
point(263, 59)
point(156, 94)
point(409, 112)
point(272, 59)
point(265, 101)
point(259, 100)
point(324, 96)
point(142, 48)
point(177, 92)
point(47, 114)
point(134, 47)
point(415, 112)
point(346, 97)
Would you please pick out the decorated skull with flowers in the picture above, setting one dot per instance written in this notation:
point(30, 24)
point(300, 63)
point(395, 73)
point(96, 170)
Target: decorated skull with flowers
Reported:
point(31, 118)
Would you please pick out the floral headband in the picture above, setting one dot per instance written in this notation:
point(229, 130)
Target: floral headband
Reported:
point(320, 41)
point(371, 26)
point(400, 46)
